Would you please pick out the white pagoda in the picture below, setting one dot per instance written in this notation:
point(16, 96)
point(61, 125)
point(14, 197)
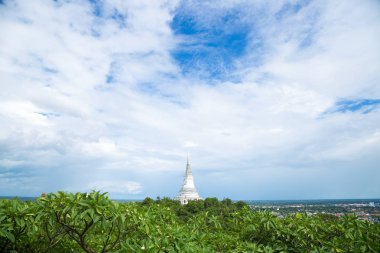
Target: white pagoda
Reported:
point(188, 191)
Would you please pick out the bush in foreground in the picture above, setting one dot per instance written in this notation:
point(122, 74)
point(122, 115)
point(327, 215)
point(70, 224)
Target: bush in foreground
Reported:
point(90, 222)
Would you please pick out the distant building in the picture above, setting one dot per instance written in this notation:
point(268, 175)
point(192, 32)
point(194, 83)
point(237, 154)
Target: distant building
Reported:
point(188, 190)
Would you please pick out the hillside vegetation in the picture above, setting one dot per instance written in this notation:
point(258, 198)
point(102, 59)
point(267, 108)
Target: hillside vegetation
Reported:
point(91, 222)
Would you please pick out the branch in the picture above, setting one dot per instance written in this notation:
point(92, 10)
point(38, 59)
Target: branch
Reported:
point(108, 237)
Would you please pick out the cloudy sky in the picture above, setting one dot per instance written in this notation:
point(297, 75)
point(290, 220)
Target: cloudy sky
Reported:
point(273, 99)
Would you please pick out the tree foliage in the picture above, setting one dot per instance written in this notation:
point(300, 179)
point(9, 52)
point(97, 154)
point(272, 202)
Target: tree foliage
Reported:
point(90, 222)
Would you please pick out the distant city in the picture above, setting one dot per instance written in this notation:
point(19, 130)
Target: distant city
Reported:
point(364, 209)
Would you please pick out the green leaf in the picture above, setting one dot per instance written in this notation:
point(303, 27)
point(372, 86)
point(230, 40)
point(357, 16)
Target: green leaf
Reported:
point(9, 235)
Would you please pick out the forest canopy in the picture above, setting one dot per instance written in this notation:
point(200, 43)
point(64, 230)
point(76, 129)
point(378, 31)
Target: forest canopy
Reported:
point(91, 222)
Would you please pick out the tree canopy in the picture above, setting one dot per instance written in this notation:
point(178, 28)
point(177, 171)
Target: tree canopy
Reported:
point(91, 222)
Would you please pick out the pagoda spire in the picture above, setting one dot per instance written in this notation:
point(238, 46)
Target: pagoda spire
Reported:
point(188, 190)
point(188, 168)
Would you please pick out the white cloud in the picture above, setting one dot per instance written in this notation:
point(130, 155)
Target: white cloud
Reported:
point(116, 187)
point(60, 118)
point(23, 112)
point(99, 148)
point(190, 144)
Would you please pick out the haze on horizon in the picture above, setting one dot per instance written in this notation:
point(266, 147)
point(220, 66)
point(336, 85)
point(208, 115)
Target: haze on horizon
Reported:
point(273, 99)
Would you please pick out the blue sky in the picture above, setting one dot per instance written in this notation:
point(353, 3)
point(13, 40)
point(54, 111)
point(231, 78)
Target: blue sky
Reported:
point(273, 99)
